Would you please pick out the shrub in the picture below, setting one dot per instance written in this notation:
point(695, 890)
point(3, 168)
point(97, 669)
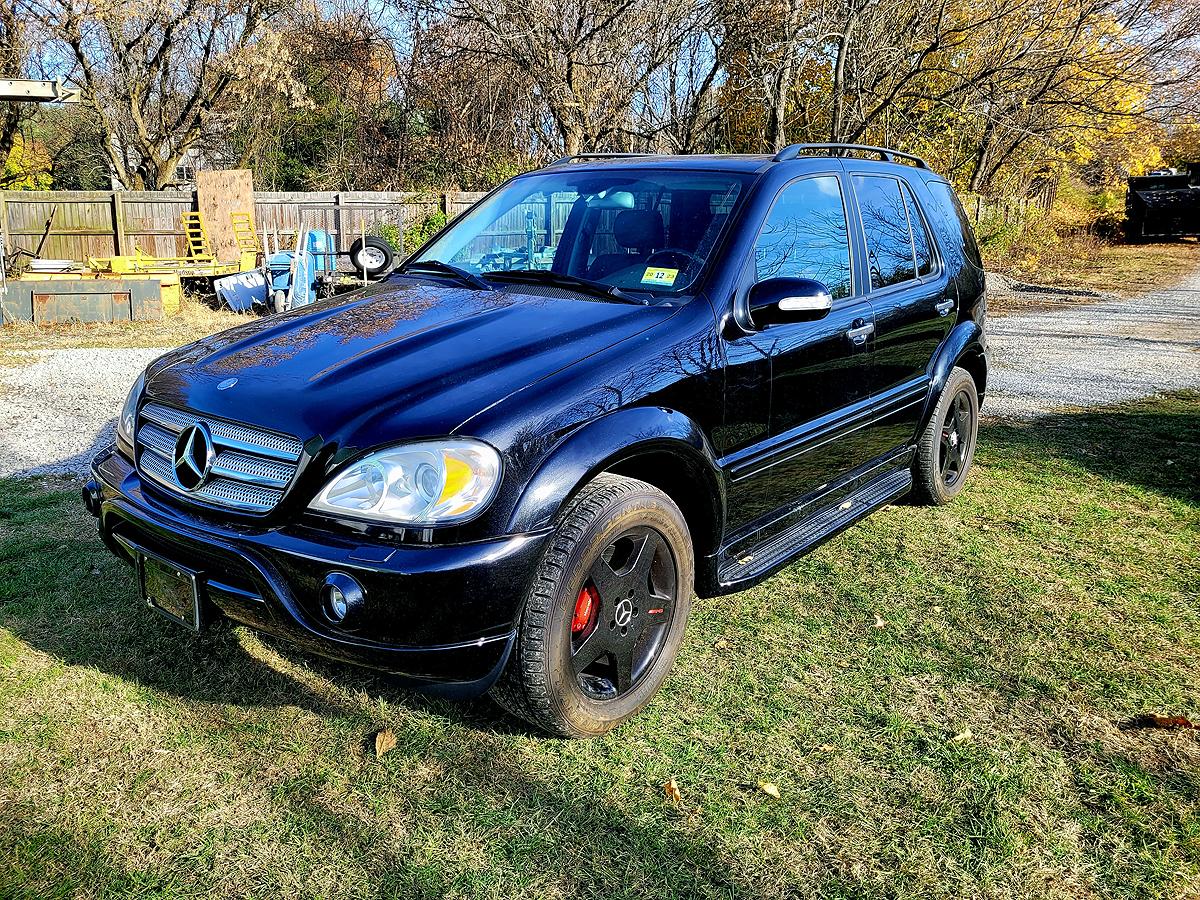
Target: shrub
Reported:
point(419, 232)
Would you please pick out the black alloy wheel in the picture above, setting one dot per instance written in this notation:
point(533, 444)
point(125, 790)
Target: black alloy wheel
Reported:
point(946, 447)
point(957, 441)
point(602, 620)
point(623, 613)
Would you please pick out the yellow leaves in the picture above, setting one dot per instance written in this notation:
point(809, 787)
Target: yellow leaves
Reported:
point(962, 737)
point(675, 796)
point(27, 167)
point(769, 789)
point(671, 789)
point(385, 740)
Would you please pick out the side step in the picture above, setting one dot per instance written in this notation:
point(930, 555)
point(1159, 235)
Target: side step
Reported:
point(806, 534)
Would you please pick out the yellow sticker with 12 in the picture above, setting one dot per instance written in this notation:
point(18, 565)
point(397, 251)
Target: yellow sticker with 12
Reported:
point(659, 276)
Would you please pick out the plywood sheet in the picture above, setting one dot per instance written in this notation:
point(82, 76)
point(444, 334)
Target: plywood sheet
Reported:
point(219, 193)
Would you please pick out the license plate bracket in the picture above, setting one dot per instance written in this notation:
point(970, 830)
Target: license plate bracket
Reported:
point(170, 589)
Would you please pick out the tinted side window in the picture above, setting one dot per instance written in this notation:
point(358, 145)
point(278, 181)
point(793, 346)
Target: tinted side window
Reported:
point(805, 236)
point(921, 241)
point(889, 244)
point(952, 209)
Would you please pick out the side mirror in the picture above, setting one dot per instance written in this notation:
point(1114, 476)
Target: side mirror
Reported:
point(779, 300)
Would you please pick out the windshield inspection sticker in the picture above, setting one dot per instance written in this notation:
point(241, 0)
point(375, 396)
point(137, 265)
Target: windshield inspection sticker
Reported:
point(662, 277)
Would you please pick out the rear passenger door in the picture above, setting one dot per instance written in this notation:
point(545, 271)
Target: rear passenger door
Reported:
point(913, 299)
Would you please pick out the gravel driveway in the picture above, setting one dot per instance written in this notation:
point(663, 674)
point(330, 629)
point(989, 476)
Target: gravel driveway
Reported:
point(57, 411)
point(1094, 354)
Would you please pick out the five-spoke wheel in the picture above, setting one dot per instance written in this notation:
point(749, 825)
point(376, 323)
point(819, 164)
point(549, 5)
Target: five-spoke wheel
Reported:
point(947, 445)
point(602, 623)
point(623, 613)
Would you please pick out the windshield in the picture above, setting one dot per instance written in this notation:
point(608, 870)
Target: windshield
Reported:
point(649, 230)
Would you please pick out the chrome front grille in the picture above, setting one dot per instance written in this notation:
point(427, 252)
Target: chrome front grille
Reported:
point(250, 471)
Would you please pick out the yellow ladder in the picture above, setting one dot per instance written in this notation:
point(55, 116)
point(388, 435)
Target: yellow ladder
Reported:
point(243, 231)
point(197, 237)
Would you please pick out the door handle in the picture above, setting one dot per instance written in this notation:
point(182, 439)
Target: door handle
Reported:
point(859, 333)
point(944, 307)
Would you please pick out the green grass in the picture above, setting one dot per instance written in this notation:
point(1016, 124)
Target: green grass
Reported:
point(1055, 600)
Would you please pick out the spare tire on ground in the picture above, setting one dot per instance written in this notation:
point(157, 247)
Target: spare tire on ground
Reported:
point(372, 256)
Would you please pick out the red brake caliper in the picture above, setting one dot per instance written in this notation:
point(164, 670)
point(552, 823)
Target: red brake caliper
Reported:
point(587, 605)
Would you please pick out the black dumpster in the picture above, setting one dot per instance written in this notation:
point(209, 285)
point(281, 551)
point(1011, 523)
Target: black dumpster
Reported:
point(1158, 207)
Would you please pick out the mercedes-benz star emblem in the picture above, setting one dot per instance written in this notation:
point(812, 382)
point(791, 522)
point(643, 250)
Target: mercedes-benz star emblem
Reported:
point(194, 455)
point(624, 612)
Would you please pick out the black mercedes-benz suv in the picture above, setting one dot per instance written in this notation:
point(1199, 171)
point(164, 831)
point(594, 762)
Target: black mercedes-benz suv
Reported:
point(610, 384)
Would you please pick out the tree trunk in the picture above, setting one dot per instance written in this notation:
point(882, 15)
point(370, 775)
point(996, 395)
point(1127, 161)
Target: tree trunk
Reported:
point(980, 157)
point(839, 80)
point(776, 130)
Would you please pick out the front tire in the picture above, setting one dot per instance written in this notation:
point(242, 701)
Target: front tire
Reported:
point(947, 445)
point(605, 614)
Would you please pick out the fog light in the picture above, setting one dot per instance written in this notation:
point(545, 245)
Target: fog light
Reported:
point(92, 498)
point(341, 597)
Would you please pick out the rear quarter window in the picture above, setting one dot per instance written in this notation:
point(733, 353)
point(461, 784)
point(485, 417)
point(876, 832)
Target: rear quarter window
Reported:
point(950, 219)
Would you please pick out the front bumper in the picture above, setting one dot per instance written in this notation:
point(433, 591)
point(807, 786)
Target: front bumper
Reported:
point(440, 616)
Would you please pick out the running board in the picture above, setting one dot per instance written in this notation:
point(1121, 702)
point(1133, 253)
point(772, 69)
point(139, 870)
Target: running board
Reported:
point(785, 546)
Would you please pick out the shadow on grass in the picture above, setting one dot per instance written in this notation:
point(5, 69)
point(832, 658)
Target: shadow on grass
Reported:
point(1153, 445)
point(64, 596)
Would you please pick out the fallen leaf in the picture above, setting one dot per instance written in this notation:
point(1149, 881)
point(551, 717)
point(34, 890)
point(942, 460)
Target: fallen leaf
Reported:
point(385, 740)
point(769, 789)
point(880, 621)
point(672, 791)
point(962, 737)
point(1154, 720)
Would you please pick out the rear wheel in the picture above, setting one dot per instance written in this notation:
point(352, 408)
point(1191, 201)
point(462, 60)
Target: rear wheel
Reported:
point(604, 617)
point(947, 445)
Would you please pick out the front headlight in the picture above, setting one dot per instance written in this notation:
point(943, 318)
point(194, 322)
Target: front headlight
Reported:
point(128, 412)
point(425, 483)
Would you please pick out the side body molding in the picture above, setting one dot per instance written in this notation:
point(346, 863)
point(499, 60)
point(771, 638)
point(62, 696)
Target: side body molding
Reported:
point(619, 439)
point(966, 341)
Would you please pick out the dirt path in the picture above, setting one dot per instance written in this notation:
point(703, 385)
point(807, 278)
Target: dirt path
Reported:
point(1096, 353)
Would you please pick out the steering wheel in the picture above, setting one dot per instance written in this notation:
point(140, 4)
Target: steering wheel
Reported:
point(676, 253)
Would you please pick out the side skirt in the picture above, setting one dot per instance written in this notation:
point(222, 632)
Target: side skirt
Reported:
point(777, 551)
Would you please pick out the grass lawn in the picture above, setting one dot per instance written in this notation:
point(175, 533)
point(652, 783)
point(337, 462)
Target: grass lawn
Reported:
point(193, 321)
point(978, 742)
point(1093, 264)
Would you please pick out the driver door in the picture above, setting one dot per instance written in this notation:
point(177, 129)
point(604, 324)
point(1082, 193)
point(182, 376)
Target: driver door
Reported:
point(818, 371)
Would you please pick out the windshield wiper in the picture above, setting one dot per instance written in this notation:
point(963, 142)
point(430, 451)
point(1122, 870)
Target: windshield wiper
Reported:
point(561, 279)
point(445, 268)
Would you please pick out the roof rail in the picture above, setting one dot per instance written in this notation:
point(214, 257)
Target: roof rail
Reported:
point(582, 156)
point(886, 154)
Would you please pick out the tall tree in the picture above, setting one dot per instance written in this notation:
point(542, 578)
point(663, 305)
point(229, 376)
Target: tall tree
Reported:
point(159, 72)
point(12, 65)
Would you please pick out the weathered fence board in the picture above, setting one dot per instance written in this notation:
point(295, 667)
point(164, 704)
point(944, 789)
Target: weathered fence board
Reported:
point(103, 223)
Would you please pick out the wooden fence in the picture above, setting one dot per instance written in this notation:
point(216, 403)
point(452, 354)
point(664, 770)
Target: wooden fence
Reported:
point(107, 223)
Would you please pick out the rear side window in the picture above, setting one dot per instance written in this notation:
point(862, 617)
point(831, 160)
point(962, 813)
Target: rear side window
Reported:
point(954, 214)
point(922, 244)
point(885, 221)
point(805, 236)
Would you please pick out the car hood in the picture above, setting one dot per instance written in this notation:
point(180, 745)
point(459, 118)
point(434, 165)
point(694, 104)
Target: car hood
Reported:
point(407, 361)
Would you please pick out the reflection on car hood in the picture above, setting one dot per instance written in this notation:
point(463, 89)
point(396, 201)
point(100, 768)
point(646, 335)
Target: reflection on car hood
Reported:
point(408, 361)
